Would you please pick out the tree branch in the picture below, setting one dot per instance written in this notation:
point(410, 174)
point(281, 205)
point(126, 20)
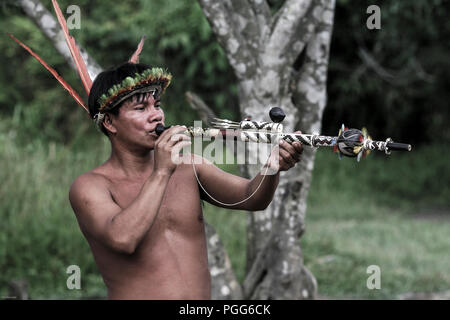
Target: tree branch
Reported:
point(373, 64)
point(257, 269)
point(309, 94)
point(263, 16)
point(292, 28)
point(245, 22)
point(50, 27)
point(224, 284)
point(229, 36)
point(18, 290)
point(402, 77)
point(285, 24)
point(206, 114)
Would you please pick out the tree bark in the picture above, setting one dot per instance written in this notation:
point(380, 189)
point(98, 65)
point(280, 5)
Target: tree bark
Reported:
point(269, 74)
point(50, 27)
point(224, 285)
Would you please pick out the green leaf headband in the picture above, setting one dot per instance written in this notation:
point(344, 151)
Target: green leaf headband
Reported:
point(154, 80)
point(154, 77)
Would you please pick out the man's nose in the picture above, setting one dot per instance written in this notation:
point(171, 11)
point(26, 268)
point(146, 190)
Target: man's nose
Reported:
point(155, 116)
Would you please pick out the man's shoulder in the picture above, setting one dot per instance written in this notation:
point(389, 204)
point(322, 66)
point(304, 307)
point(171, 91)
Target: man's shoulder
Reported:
point(88, 183)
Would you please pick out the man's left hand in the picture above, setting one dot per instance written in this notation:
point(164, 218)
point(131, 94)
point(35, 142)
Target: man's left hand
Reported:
point(287, 154)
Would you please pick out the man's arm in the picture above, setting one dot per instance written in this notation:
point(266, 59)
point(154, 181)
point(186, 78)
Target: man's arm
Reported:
point(228, 188)
point(123, 229)
point(101, 218)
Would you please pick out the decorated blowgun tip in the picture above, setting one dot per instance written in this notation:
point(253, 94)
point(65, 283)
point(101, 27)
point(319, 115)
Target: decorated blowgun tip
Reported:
point(365, 133)
point(335, 147)
point(358, 158)
point(336, 150)
point(341, 130)
point(362, 154)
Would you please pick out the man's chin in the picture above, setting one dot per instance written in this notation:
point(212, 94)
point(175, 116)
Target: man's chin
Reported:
point(151, 140)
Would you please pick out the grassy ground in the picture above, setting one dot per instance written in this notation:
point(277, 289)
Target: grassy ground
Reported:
point(380, 212)
point(374, 212)
point(390, 212)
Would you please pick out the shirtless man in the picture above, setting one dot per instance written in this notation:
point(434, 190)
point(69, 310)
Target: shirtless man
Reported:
point(141, 213)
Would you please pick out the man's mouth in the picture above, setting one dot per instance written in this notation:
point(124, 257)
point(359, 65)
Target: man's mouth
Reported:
point(153, 131)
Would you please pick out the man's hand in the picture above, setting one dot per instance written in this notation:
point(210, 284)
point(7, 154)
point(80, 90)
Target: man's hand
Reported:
point(285, 155)
point(167, 149)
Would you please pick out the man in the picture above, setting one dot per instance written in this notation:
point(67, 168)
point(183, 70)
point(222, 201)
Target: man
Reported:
point(140, 211)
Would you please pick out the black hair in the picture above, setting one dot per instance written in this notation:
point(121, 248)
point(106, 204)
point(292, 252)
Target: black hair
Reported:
point(108, 78)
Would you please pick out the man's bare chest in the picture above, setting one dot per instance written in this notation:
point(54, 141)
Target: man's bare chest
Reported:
point(180, 208)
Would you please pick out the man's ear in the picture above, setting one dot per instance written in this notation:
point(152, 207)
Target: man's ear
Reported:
point(108, 123)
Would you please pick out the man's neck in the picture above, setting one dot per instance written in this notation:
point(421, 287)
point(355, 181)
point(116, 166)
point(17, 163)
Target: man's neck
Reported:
point(132, 163)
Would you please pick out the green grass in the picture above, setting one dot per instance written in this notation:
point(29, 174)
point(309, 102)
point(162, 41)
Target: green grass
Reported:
point(378, 212)
point(358, 214)
point(412, 254)
point(39, 234)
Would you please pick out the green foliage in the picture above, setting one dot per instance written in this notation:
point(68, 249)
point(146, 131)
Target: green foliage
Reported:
point(178, 38)
point(404, 96)
point(40, 235)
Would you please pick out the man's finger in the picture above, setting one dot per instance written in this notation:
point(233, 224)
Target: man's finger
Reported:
point(175, 154)
point(180, 145)
point(298, 146)
point(178, 137)
point(167, 134)
point(291, 149)
point(286, 157)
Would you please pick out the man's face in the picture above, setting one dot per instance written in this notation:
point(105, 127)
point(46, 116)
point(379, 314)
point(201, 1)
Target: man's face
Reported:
point(137, 120)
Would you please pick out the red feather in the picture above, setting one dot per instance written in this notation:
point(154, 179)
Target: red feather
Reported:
point(135, 57)
point(66, 86)
point(76, 55)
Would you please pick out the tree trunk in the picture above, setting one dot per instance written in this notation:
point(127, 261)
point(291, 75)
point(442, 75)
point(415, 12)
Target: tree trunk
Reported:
point(279, 61)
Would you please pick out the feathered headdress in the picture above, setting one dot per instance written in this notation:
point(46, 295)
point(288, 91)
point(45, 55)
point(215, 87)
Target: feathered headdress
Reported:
point(151, 80)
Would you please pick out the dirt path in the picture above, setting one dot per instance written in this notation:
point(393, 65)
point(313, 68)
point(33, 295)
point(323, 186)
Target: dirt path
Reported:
point(434, 214)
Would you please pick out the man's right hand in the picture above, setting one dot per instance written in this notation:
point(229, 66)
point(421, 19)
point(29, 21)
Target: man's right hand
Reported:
point(168, 147)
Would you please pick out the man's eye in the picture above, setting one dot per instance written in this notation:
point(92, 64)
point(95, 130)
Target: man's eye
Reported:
point(139, 108)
